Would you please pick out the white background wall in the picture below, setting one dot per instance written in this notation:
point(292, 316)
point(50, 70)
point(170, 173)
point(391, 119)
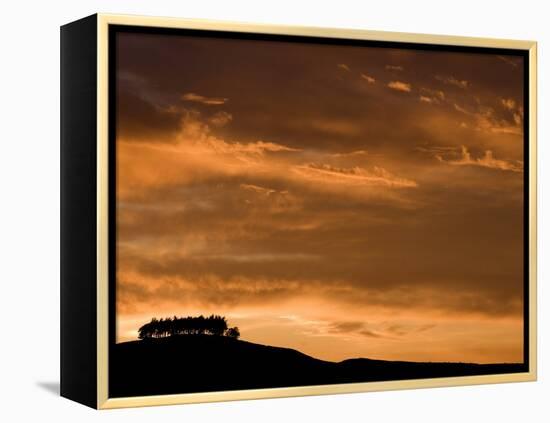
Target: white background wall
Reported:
point(29, 212)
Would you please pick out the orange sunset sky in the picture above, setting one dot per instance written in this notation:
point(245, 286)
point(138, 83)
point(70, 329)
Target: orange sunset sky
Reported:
point(343, 201)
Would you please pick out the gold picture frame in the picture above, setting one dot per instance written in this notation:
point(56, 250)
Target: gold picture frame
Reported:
point(102, 22)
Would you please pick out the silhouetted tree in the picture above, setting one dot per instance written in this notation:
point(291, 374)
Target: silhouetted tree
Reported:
point(233, 333)
point(145, 331)
point(213, 325)
point(217, 325)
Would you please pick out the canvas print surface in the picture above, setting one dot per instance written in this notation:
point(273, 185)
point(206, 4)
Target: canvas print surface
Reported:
point(293, 213)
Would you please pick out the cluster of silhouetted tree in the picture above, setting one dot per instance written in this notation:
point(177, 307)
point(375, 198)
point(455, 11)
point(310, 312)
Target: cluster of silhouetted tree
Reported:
point(170, 326)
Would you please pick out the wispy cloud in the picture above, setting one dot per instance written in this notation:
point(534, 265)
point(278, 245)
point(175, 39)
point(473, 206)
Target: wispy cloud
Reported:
point(513, 62)
point(220, 119)
point(436, 149)
point(350, 328)
point(381, 330)
point(451, 80)
point(354, 175)
point(351, 153)
point(257, 147)
point(487, 120)
point(406, 329)
point(514, 108)
point(368, 78)
point(461, 109)
point(395, 68)
point(261, 257)
point(508, 103)
point(487, 160)
point(370, 333)
point(400, 86)
point(431, 96)
point(197, 98)
point(343, 66)
point(425, 99)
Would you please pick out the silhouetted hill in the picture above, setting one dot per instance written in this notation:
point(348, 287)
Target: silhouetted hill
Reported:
point(199, 363)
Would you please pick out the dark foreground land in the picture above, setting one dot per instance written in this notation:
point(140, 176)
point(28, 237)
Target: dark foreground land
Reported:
point(199, 363)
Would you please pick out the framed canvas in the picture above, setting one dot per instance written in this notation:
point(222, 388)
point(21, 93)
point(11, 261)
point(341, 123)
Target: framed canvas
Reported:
point(255, 211)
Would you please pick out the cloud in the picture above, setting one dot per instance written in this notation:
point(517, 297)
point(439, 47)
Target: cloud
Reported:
point(205, 290)
point(512, 61)
point(508, 103)
point(487, 160)
point(220, 119)
point(343, 66)
point(197, 98)
point(486, 119)
point(228, 278)
point(262, 257)
point(257, 189)
point(195, 133)
point(355, 175)
point(406, 329)
point(431, 96)
point(370, 333)
point(347, 326)
point(257, 147)
point(515, 109)
point(350, 327)
point(400, 86)
point(394, 68)
point(355, 153)
point(425, 99)
point(451, 80)
point(270, 202)
point(368, 78)
point(461, 109)
point(436, 150)
point(194, 155)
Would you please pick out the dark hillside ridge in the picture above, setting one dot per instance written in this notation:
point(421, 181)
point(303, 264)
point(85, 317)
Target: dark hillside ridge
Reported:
point(202, 363)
